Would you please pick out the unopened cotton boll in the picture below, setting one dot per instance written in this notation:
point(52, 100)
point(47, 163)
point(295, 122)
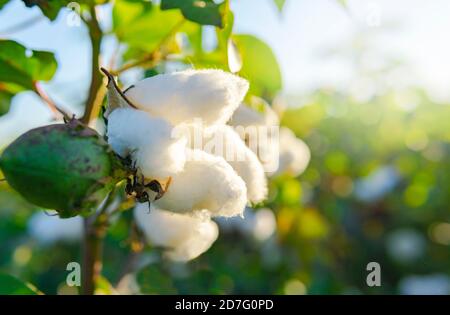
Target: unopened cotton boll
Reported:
point(211, 95)
point(225, 142)
point(294, 153)
point(185, 236)
point(149, 141)
point(207, 182)
point(47, 229)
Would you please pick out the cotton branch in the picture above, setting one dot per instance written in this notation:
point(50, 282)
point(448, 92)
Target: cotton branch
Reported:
point(56, 110)
point(94, 230)
point(97, 87)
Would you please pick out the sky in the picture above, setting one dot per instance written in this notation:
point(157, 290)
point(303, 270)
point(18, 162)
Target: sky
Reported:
point(301, 36)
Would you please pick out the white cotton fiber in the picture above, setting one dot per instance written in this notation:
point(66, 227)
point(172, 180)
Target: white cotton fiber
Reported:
point(246, 116)
point(294, 153)
point(259, 129)
point(185, 236)
point(48, 229)
point(211, 95)
point(207, 182)
point(225, 142)
point(149, 140)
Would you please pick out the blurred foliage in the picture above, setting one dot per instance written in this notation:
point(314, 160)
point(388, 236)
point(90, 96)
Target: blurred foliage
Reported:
point(326, 234)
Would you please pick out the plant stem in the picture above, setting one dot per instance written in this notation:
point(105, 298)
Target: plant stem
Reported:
point(92, 256)
point(94, 226)
point(97, 89)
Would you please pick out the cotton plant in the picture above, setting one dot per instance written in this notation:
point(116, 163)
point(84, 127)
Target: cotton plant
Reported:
point(184, 137)
point(155, 155)
point(201, 183)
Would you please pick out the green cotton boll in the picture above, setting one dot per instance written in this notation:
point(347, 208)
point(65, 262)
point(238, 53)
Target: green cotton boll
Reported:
point(65, 167)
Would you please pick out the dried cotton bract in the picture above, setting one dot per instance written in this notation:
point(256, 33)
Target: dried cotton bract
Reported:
point(184, 236)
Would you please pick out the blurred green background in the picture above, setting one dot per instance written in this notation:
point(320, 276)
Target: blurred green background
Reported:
point(376, 189)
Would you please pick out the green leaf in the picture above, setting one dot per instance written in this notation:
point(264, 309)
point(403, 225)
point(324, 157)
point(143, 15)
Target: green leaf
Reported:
point(205, 12)
point(22, 67)
point(280, 4)
point(142, 26)
point(153, 279)
point(260, 66)
point(10, 285)
point(2, 3)
point(49, 8)
point(5, 101)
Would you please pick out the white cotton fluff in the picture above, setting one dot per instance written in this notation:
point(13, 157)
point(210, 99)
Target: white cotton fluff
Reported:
point(207, 182)
point(185, 236)
point(178, 97)
point(149, 140)
point(246, 116)
point(225, 142)
point(259, 130)
point(294, 154)
point(48, 229)
point(260, 224)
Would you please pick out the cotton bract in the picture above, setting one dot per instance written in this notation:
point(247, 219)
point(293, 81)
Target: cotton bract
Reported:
point(184, 236)
point(178, 97)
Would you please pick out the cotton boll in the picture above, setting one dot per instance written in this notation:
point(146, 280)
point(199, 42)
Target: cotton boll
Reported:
point(259, 130)
point(432, 284)
point(259, 224)
point(185, 236)
point(294, 153)
point(225, 142)
point(211, 95)
point(48, 229)
point(149, 140)
point(246, 116)
point(265, 224)
point(207, 182)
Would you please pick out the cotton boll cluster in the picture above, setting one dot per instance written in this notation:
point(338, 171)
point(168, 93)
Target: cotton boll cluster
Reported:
point(219, 177)
point(185, 236)
point(47, 229)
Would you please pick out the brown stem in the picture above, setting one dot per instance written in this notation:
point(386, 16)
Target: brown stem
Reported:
point(92, 256)
point(94, 226)
point(56, 110)
point(97, 89)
